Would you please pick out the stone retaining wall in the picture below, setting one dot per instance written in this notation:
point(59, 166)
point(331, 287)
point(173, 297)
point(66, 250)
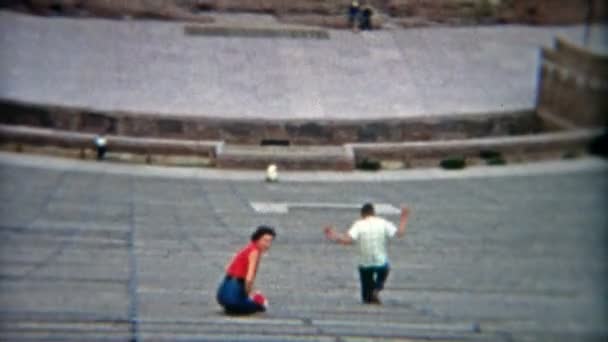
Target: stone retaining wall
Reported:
point(255, 131)
point(573, 87)
point(529, 147)
point(411, 154)
point(75, 140)
point(339, 158)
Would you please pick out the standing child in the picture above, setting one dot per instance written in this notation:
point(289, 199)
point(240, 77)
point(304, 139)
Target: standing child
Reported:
point(371, 233)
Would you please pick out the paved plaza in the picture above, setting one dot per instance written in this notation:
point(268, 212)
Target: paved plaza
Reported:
point(95, 251)
point(153, 67)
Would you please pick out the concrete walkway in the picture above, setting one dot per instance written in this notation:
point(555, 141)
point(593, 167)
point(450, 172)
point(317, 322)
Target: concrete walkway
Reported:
point(153, 67)
point(559, 167)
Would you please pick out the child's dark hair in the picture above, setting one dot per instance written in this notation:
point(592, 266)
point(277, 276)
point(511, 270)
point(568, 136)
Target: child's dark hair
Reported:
point(367, 209)
point(261, 231)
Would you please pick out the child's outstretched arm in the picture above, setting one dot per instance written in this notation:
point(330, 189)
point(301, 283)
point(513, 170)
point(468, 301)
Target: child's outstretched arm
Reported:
point(405, 212)
point(332, 235)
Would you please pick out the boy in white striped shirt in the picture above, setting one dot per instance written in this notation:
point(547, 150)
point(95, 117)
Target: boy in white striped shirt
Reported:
point(371, 234)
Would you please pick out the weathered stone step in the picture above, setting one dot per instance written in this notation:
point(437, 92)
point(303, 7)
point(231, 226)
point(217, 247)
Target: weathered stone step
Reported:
point(64, 331)
point(41, 337)
point(256, 328)
point(290, 329)
point(286, 157)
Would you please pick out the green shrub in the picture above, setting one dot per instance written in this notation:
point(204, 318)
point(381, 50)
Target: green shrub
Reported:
point(599, 145)
point(570, 155)
point(496, 161)
point(489, 154)
point(483, 9)
point(453, 163)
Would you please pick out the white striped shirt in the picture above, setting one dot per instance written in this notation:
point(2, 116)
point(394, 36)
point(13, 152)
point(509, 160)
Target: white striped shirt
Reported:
point(372, 234)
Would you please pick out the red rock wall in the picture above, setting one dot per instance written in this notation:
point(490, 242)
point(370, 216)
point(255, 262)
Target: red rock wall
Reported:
point(552, 12)
point(443, 11)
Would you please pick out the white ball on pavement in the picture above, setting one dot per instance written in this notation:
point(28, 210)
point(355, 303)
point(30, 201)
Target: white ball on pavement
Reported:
point(272, 174)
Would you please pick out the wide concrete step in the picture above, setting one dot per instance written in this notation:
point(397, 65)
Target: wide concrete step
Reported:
point(64, 331)
point(274, 326)
point(286, 157)
point(262, 327)
point(281, 325)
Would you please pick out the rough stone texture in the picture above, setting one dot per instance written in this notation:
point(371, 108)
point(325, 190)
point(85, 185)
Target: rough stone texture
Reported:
point(136, 257)
point(329, 21)
point(325, 12)
point(555, 12)
point(539, 12)
point(573, 87)
point(337, 158)
point(158, 9)
point(526, 147)
point(445, 11)
point(141, 145)
point(409, 154)
point(253, 132)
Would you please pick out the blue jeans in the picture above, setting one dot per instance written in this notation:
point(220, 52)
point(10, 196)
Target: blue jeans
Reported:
point(232, 296)
point(372, 279)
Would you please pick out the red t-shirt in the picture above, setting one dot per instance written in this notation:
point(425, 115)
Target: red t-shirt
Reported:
point(240, 263)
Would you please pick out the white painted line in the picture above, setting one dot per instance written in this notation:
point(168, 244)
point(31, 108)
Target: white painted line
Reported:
point(270, 208)
point(283, 207)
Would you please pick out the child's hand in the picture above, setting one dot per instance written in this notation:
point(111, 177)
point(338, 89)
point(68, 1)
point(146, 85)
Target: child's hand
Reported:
point(329, 232)
point(405, 211)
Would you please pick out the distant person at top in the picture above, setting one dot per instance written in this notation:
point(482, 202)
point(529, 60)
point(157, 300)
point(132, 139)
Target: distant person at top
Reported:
point(365, 18)
point(101, 145)
point(353, 15)
point(371, 234)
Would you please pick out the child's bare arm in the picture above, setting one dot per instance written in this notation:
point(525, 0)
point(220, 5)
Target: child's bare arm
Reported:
point(332, 235)
point(405, 212)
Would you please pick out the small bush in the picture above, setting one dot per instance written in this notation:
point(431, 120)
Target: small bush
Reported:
point(489, 154)
point(570, 155)
point(496, 161)
point(483, 9)
point(599, 145)
point(454, 163)
point(368, 164)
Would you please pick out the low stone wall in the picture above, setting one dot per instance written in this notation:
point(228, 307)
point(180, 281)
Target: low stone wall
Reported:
point(255, 131)
point(528, 147)
point(573, 87)
point(75, 140)
point(409, 154)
